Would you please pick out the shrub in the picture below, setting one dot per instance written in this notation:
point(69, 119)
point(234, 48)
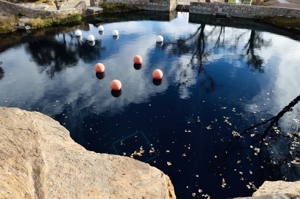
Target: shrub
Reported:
point(8, 24)
point(46, 22)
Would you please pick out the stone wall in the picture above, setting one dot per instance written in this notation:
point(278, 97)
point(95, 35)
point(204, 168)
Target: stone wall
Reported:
point(157, 5)
point(242, 23)
point(244, 11)
point(17, 9)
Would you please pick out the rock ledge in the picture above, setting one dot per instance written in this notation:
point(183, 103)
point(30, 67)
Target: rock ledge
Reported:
point(38, 159)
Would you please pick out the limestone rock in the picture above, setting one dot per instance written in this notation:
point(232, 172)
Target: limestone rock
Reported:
point(273, 196)
point(290, 189)
point(38, 159)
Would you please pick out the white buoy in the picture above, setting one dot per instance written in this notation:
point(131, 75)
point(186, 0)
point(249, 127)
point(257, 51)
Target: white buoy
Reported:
point(159, 38)
point(91, 38)
point(78, 33)
point(100, 28)
point(115, 33)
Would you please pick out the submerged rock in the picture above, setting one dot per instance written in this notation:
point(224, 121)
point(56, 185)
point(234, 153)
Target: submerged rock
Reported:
point(38, 159)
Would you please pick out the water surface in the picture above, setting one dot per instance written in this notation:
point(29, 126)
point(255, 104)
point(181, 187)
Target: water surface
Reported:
point(224, 118)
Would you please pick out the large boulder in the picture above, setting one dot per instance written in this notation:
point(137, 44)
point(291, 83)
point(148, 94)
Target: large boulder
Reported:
point(38, 159)
point(290, 189)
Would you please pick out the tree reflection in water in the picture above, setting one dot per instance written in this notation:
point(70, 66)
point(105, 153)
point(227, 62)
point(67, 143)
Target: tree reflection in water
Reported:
point(266, 150)
point(255, 41)
point(196, 46)
point(53, 54)
point(1, 72)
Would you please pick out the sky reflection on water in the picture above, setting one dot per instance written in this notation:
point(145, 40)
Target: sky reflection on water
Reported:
point(218, 82)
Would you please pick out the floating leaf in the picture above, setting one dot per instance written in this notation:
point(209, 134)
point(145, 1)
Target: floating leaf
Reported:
point(208, 127)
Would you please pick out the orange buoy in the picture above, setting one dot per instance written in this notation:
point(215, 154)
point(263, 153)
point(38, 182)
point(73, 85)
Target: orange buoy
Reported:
point(115, 85)
point(157, 74)
point(99, 68)
point(137, 59)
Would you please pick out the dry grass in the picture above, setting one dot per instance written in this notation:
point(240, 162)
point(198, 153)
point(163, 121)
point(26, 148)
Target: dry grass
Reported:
point(51, 3)
point(39, 23)
point(8, 24)
point(47, 22)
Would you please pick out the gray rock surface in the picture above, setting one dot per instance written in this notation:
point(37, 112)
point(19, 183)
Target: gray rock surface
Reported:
point(38, 159)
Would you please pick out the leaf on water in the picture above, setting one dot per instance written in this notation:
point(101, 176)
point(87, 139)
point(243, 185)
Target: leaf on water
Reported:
point(223, 183)
point(206, 196)
point(257, 149)
point(208, 127)
point(236, 134)
point(152, 150)
point(295, 162)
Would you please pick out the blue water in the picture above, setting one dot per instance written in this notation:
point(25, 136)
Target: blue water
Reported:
point(224, 118)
